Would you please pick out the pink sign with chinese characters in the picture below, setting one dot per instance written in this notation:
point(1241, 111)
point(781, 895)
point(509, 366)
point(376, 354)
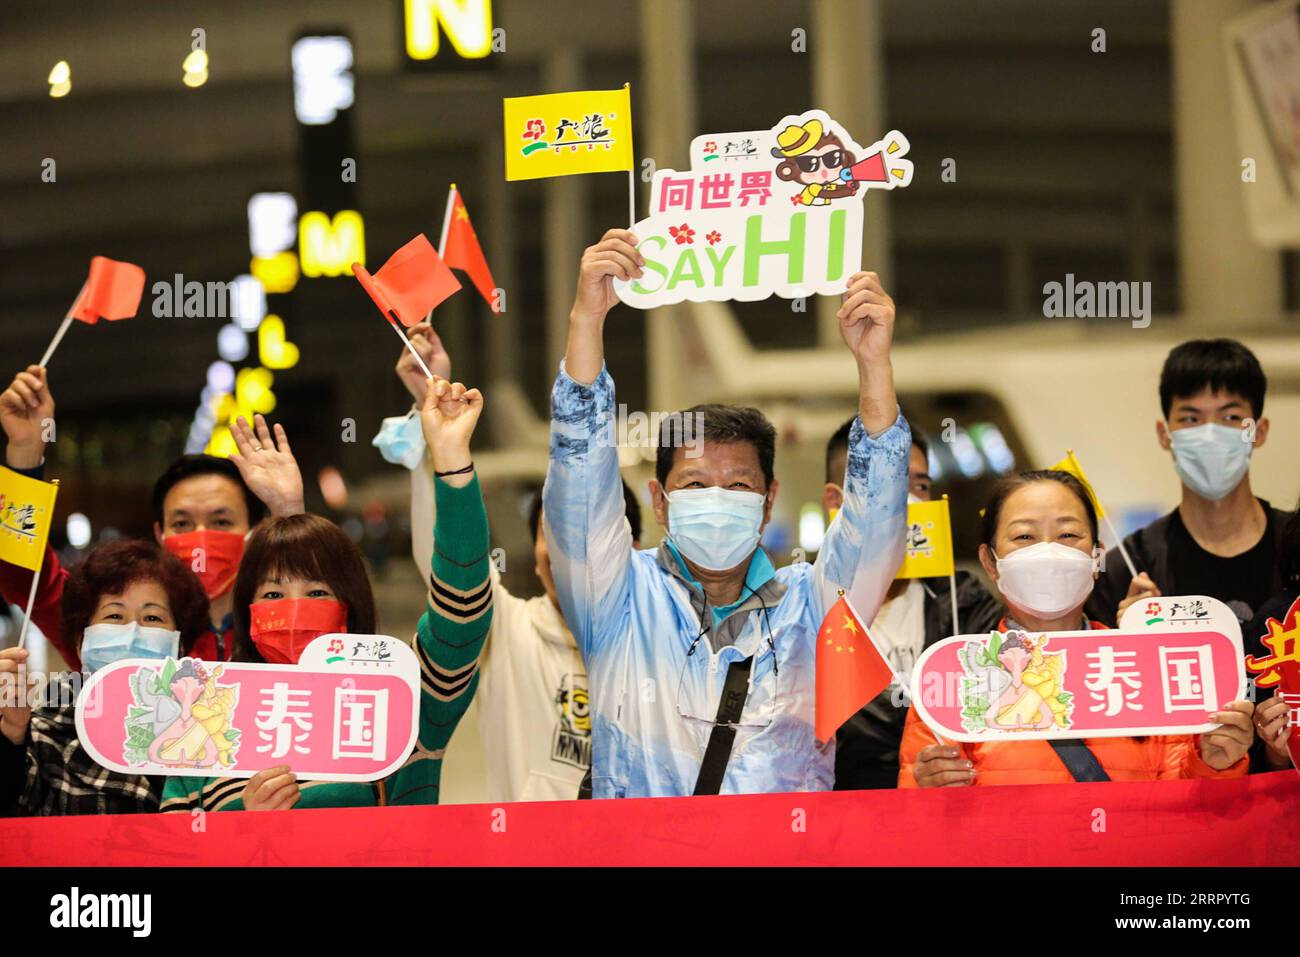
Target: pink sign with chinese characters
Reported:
point(348, 711)
point(1033, 686)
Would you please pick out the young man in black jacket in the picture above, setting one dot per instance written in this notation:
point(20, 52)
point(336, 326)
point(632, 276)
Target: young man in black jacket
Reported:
point(916, 613)
point(1221, 540)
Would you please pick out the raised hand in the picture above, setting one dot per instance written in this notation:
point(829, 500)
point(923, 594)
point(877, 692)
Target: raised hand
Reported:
point(615, 256)
point(26, 409)
point(866, 316)
point(268, 466)
point(448, 418)
point(429, 346)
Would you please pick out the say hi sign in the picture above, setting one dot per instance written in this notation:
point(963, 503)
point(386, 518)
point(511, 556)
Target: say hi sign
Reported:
point(768, 212)
point(1153, 679)
point(348, 711)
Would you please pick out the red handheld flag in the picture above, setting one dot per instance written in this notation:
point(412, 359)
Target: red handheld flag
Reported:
point(850, 669)
point(461, 250)
point(410, 284)
point(112, 291)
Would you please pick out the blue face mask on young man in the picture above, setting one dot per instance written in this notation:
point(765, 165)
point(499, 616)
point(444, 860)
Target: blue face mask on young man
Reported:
point(716, 528)
point(1211, 459)
point(107, 642)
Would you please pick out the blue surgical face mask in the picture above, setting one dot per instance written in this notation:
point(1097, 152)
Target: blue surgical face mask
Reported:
point(401, 440)
point(716, 528)
point(1211, 459)
point(108, 642)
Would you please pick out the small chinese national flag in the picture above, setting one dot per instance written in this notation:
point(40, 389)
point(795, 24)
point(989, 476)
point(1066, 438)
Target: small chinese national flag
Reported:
point(461, 249)
point(410, 284)
point(850, 669)
point(112, 291)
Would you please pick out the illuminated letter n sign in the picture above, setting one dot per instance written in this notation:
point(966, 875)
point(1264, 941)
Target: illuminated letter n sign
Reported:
point(467, 23)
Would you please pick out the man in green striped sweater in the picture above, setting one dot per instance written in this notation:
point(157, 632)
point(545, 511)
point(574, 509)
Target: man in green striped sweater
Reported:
point(449, 639)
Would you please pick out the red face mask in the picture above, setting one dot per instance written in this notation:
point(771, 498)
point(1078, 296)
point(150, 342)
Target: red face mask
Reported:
point(281, 629)
point(213, 556)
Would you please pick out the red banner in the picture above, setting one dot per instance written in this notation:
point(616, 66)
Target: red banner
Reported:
point(1241, 823)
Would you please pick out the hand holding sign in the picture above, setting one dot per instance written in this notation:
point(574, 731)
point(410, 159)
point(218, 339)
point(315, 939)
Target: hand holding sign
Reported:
point(273, 789)
point(1227, 744)
point(866, 317)
point(1271, 722)
point(614, 257)
point(943, 766)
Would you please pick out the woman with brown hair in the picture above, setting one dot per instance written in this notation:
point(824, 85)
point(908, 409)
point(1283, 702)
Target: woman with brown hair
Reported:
point(1041, 551)
point(301, 577)
point(127, 599)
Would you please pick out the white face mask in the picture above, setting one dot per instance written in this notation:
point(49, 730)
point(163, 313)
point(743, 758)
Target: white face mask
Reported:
point(716, 528)
point(1210, 459)
point(1047, 579)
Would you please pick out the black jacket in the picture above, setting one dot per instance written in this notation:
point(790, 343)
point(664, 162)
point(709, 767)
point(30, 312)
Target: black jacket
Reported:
point(1149, 549)
point(866, 747)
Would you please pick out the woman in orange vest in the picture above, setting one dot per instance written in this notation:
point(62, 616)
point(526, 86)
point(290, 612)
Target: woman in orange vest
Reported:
point(1041, 551)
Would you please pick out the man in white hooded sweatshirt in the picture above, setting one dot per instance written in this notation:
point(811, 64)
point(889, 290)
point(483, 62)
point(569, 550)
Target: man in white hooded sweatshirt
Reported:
point(533, 713)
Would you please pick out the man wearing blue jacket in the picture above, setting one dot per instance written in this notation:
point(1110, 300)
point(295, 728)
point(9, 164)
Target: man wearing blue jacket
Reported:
point(700, 654)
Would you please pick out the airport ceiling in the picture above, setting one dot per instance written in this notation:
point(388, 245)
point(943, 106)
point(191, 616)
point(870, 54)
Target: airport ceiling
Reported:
point(143, 159)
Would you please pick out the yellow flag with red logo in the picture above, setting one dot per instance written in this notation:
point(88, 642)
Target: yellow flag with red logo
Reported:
point(559, 134)
point(929, 541)
point(1071, 464)
point(26, 514)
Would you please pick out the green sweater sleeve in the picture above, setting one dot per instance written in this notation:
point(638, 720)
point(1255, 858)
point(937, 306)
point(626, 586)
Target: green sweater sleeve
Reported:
point(451, 632)
point(190, 793)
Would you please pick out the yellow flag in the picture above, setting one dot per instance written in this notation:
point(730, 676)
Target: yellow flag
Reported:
point(26, 512)
point(558, 134)
point(1071, 464)
point(929, 541)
